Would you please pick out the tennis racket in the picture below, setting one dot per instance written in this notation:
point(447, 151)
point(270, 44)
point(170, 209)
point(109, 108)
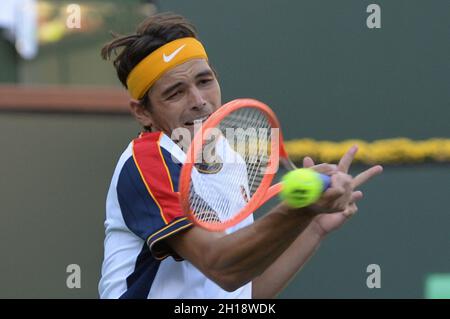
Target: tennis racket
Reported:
point(230, 165)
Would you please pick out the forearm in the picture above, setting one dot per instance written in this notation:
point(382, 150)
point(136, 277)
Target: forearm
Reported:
point(278, 275)
point(233, 260)
point(245, 254)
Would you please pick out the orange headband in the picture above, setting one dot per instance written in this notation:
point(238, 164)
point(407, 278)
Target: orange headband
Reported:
point(151, 68)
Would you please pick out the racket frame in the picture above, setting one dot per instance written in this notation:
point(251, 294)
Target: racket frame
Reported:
point(264, 191)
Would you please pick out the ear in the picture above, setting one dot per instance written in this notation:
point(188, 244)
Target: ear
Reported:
point(142, 115)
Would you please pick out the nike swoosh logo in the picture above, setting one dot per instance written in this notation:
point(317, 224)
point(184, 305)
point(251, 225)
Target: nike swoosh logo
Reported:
point(168, 58)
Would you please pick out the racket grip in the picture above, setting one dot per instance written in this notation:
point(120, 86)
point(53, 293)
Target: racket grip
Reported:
point(326, 182)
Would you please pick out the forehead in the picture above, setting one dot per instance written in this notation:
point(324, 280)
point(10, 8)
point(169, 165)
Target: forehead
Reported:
point(183, 72)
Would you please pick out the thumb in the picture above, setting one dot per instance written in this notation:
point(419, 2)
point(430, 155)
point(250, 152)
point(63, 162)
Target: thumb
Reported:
point(308, 162)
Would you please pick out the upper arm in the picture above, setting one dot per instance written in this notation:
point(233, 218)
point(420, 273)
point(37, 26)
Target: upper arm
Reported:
point(197, 246)
point(213, 254)
point(200, 247)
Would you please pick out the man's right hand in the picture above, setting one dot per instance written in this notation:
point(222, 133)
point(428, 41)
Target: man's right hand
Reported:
point(337, 197)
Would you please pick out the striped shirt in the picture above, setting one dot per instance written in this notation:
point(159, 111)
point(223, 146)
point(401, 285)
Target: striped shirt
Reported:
point(142, 209)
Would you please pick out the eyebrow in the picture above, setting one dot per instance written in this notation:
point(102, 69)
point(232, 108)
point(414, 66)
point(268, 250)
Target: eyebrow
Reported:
point(178, 84)
point(204, 73)
point(171, 88)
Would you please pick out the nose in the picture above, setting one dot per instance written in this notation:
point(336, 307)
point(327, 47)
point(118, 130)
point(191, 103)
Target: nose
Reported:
point(197, 99)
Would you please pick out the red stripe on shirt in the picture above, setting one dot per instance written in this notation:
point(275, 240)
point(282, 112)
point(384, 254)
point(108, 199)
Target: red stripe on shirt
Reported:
point(156, 176)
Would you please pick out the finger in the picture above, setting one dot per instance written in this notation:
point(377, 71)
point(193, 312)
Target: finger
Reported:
point(308, 162)
point(325, 168)
point(351, 210)
point(346, 160)
point(342, 179)
point(366, 175)
point(333, 193)
point(356, 196)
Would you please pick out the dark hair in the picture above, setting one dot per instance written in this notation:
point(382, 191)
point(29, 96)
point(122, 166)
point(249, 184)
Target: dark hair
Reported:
point(152, 33)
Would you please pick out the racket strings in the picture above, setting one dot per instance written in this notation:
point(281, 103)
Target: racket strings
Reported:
point(249, 121)
point(218, 197)
point(255, 120)
point(252, 118)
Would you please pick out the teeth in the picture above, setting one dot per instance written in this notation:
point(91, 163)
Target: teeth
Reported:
point(200, 120)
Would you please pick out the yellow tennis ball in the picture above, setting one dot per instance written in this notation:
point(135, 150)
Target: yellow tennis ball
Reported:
point(301, 187)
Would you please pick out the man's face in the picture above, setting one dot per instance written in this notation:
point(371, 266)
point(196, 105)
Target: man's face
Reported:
point(184, 96)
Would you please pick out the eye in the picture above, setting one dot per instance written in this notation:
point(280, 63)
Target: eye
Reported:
point(205, 81)
point(174, 95)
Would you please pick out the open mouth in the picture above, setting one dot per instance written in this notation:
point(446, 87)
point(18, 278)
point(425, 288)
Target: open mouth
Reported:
point(200, 120)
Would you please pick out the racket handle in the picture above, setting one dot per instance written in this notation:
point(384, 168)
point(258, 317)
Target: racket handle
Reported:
point(326, 181)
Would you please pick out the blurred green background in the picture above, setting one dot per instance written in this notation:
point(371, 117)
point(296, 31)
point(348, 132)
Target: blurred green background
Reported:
point(322, 70)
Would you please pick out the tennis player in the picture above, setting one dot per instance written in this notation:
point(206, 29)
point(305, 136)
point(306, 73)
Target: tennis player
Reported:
point(151, 249)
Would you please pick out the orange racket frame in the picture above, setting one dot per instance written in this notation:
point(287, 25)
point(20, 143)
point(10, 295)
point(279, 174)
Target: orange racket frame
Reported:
point(264, 191)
